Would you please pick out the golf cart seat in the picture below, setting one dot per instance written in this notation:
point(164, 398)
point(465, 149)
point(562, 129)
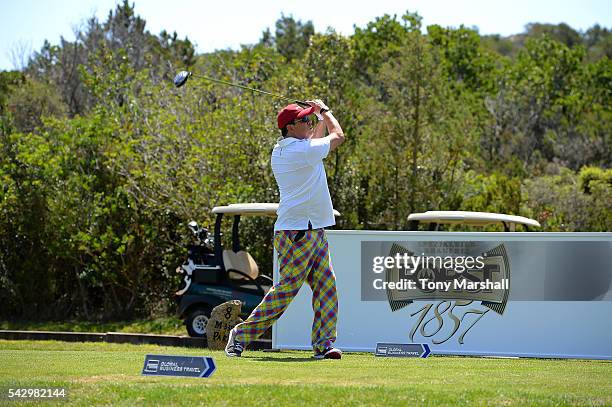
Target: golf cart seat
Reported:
point(241, 268)
point(435, 218)
point(241, 261)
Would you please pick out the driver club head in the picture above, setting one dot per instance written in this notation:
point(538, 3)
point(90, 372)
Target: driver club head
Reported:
point(181, 78)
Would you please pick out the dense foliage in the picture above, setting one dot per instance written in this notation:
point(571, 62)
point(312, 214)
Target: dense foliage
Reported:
point(103, 161)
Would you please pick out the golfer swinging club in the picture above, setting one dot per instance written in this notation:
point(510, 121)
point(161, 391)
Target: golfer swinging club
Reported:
point(305, 208)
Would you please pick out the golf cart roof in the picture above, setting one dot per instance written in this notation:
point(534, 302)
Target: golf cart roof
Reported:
point(253, 209)
point(472, 218)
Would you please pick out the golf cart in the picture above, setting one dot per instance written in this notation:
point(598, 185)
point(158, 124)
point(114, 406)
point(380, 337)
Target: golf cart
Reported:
point(214, 275)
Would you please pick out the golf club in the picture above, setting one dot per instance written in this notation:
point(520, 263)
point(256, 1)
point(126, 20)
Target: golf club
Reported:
point(181, 78)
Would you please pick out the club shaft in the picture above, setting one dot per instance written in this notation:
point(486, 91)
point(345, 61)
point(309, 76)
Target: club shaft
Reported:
point(251, 89)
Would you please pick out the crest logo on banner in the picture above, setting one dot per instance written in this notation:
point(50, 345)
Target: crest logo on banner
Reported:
point(446, 313)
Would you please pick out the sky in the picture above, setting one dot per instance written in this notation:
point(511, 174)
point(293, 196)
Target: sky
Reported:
point(25, 24)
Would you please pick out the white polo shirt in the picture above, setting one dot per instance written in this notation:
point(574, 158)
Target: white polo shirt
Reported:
point(297, 165)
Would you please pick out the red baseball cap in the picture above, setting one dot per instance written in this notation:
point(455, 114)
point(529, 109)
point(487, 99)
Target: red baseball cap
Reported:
point(292, 112)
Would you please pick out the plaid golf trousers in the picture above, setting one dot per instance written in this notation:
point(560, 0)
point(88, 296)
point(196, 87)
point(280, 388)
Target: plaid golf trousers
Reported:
point(302, 256)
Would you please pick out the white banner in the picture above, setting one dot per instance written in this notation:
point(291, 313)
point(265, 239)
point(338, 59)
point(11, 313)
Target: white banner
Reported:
point(565, 266)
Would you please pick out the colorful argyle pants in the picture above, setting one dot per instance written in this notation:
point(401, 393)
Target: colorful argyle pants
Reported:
point(302, 256)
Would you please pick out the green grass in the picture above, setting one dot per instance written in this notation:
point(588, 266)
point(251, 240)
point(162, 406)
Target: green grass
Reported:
point(165, 326)
point(104, 373)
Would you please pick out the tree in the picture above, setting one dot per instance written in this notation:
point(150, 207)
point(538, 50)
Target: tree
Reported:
point(598, 42)
point(559, 32)
point(292, 37)
point(532, 103)
point(466, 63)
point(9, 81)
point(417, 133)
point(122, 35)
point(31, 102)
point(379, 40)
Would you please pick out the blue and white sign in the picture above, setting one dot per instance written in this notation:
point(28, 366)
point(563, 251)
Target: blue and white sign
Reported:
point(187, 366)
point(403, 350)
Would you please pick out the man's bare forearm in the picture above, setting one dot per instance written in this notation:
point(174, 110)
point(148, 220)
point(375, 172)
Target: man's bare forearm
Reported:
point(335, 131)
point(332, 124)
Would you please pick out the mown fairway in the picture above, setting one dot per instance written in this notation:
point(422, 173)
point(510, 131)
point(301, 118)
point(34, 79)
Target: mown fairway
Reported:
point(101, 373)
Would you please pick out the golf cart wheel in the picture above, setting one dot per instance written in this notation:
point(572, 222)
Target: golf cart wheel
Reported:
point(197, 321)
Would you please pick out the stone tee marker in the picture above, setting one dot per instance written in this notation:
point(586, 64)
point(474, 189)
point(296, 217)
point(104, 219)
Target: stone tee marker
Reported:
point(222, 319)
